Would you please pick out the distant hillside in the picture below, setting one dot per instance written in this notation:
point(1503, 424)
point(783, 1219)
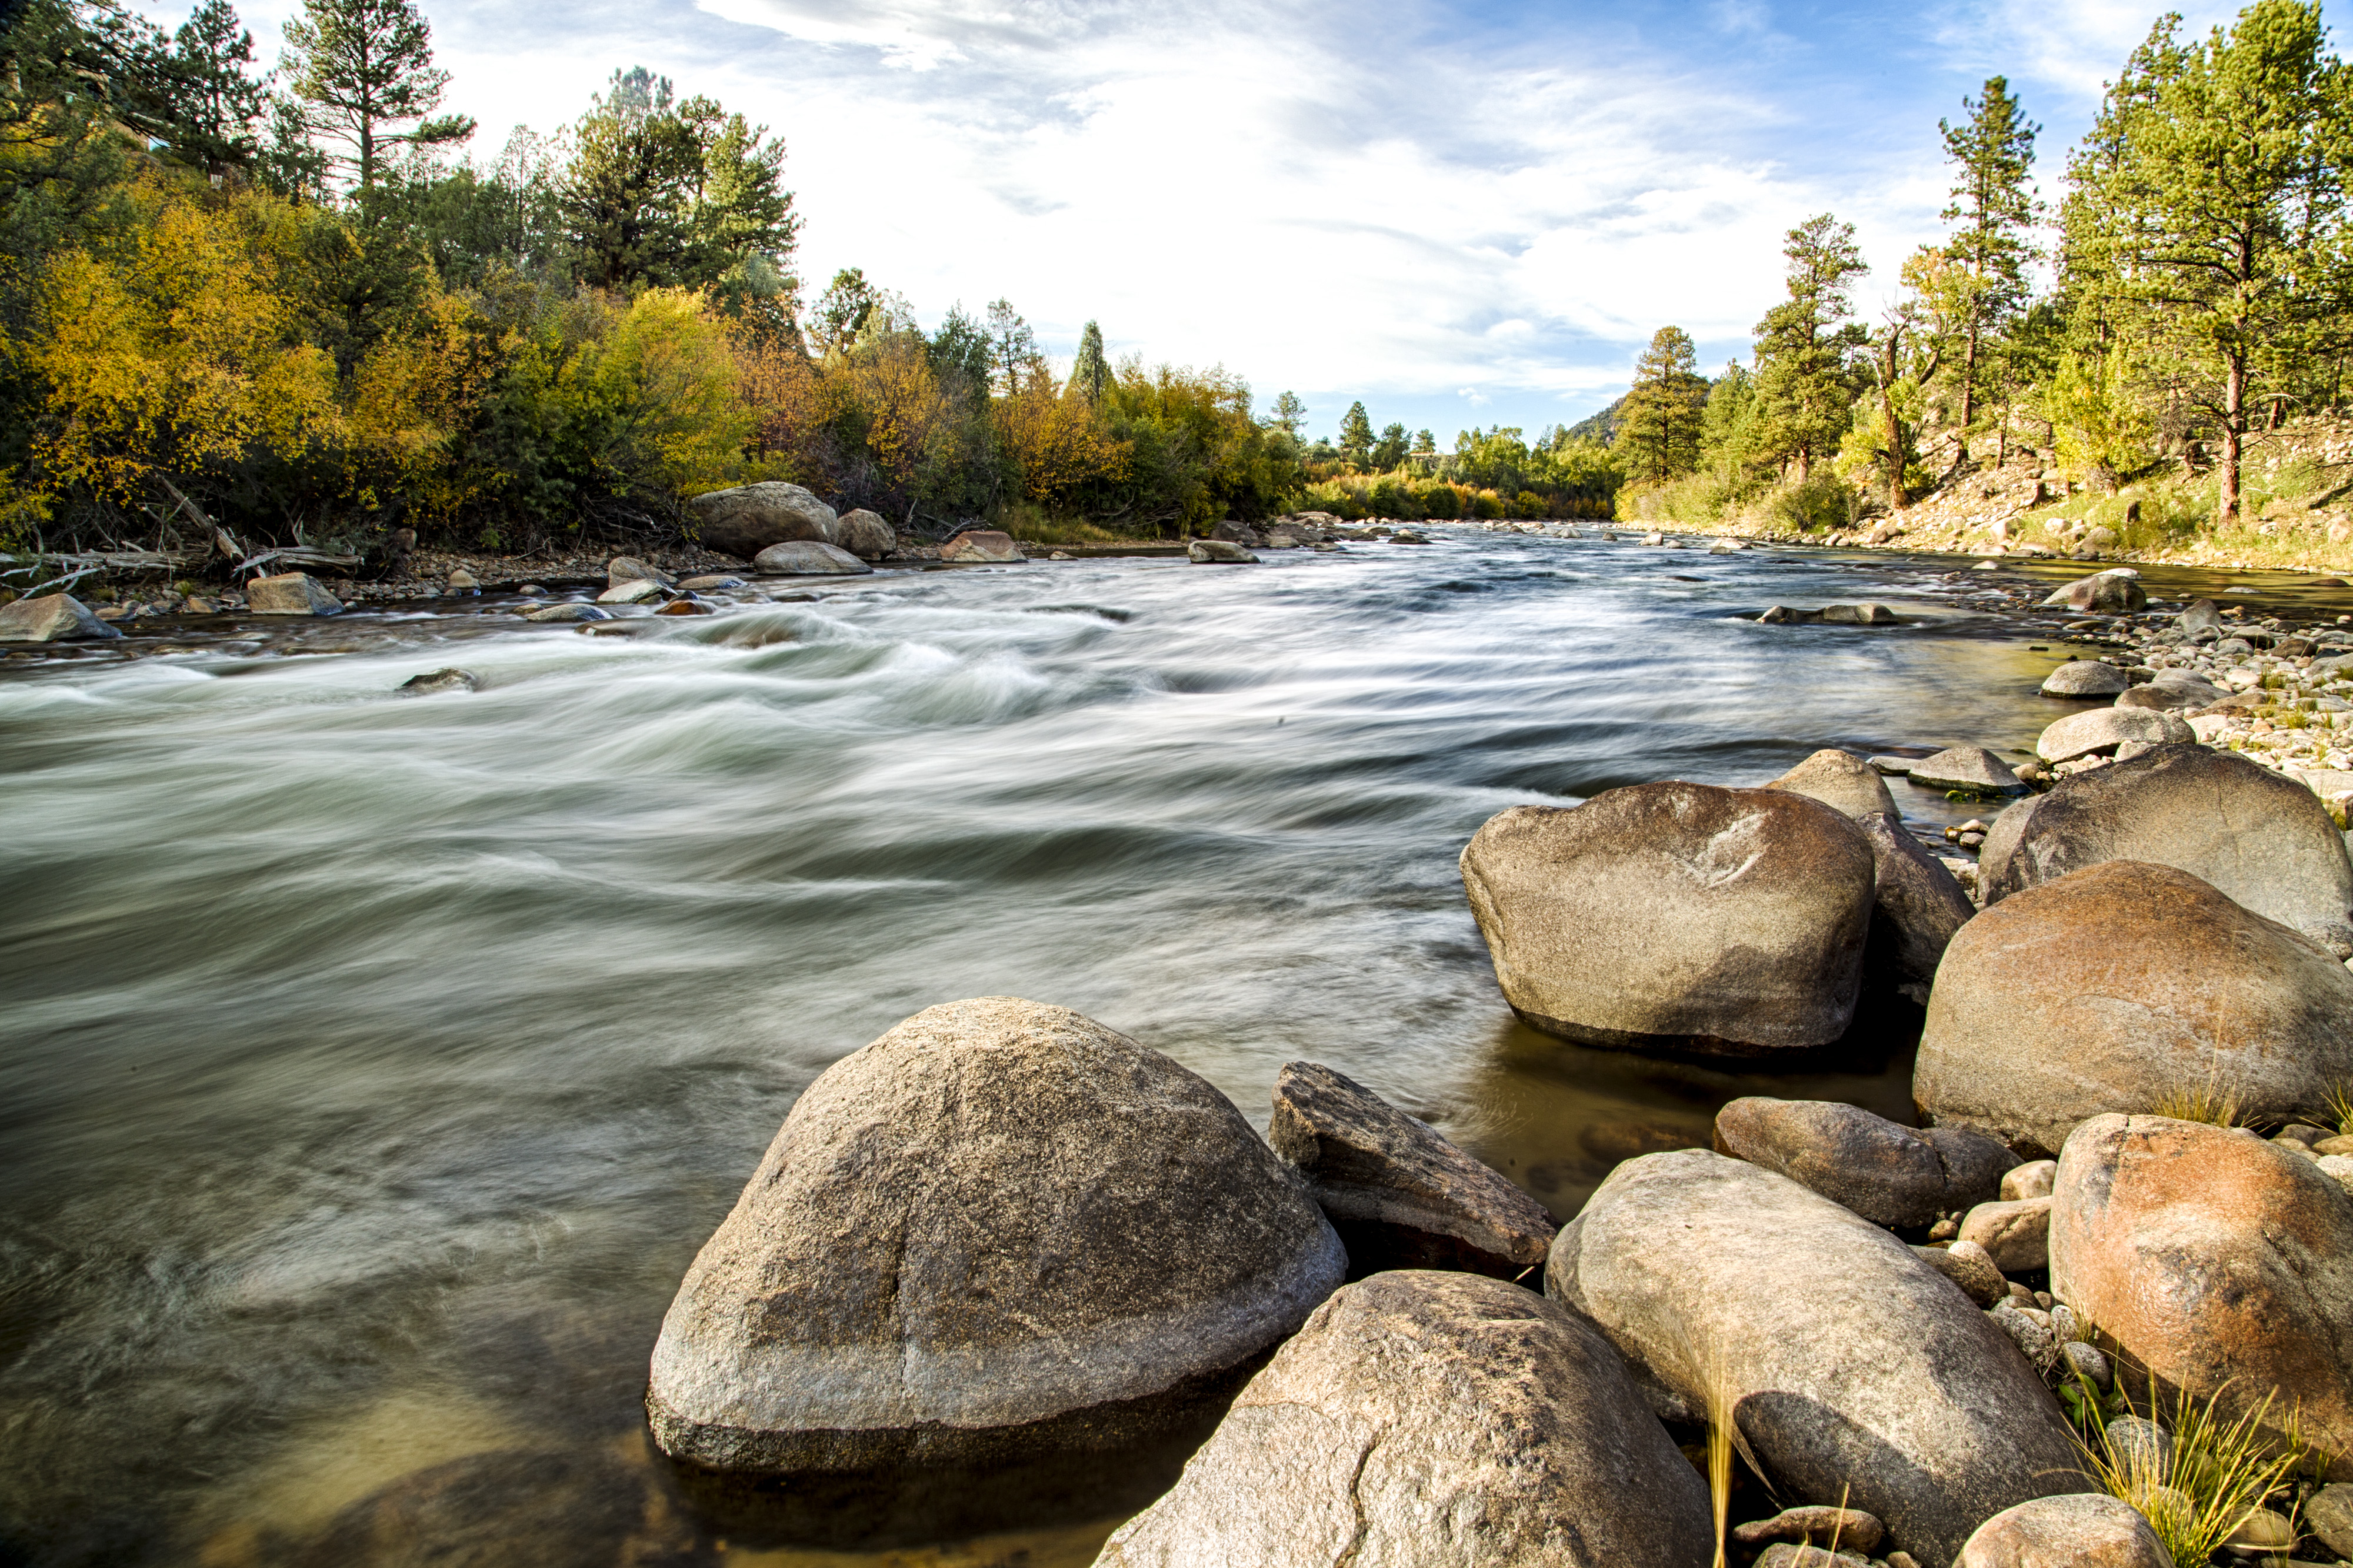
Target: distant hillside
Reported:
point(1601, 428)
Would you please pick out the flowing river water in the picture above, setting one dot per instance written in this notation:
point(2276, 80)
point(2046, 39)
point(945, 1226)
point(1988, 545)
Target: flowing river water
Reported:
point(371, 1067)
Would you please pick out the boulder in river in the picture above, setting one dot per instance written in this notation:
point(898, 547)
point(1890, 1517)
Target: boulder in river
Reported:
point(2219, 1262)
point(2116, 592)
point(2103, 729)
point(2260, 840)
point(866, 535)
point(1218, 552)
point(569, 610)
point(1971, 768)
point(1400, 1194)
point(2202, 620)
point(1000, 1230)
point(631, 591)
point(1676, 916)
point(1440, 1421)
point(810, 558)
point(1889, 1174)
point(51, 617)
point(2080, 1529)
point(2118, 987)
point(746, 520)
point(291, 594)
point(982, 545)
point(1839, 779)
point(2085, 678)
point(1916, 904)
point(1891, 1389)
point(1863, 615)
point(441, 681)
point(623, 569)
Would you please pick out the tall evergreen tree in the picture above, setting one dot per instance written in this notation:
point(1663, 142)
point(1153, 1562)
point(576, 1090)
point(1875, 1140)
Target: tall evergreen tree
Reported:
point(1091, 373)
point(2212, 197)
point(1806, 345)
point(1289, 414)
point(1357, 435)
point(1390, 449)
point(1994, 206)
point(363, 68)
point(1013, 349)
point(1658, 424)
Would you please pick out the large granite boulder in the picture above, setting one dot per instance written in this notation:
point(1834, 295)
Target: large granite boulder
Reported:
point(2116, 592)
point(291, 594)
point(2082, 1530)
point(1430, 1420)
point(2261, 840)
point(1400, 1195)
point(2098, 731)
point(746, 520)
point(1889, 1174)
point(1676, 916)
point(1000, 1230)
point(51, 617)
point(810, 558)
point(1218, 552)
point(1916, 904)
point(1851, 1368)
point(982, 545)
point(1839, 779)
point(2219, 1262)
point(2115, 987)
point(865, 534)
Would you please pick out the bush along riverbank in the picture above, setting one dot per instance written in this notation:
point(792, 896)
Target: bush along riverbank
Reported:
point(2092, 1311)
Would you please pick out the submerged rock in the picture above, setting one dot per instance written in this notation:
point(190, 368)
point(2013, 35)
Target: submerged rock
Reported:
point(1839, 779)
point(291, 594)
point(1001, 1230)
point(2220, 1263)
point(1893, 1389)
point(515, 1508)
point(746, 520)
point(51, 617)
point(1436, 1420)
point(810, 558)
point(450, 679)
point(1676, 916)
point(1400, 1195)
point(2117, 987)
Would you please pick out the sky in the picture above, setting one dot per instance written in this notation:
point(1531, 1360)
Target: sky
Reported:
point(1463, 215)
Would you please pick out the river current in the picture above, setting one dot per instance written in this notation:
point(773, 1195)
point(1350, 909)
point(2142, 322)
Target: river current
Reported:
point(373, 1065)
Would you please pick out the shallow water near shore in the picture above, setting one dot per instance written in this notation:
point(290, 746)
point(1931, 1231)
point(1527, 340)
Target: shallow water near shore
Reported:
point(374, 1065)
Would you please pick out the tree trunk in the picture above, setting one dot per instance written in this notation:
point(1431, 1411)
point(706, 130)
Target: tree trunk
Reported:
point(1969, 388)
point(2235, 426)
point(1894, 422)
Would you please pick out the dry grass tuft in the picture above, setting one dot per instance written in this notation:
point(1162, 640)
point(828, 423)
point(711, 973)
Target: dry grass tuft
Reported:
point(2218, 1473)
point(2212, 1102)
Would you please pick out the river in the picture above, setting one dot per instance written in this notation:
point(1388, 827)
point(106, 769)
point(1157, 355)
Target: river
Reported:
point(373, 1065)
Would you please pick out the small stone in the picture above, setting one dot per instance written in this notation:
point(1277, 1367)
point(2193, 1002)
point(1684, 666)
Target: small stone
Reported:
point(1060, 556)
point(450, 679)
point(1893, 767)
point(1783, 1555)
point(2138, 1445)
point(629, 568)
point(2337, 1146)
point(2337, 1168)
point(2017, 1236)
point(2261, 1532)
point(630, 591)
point(687, 607)
point(2030, 1180)
point(2070, 1530)
point(462, 581)
point(2304, 1133)
point(568, 611)
point(2030, 1328)
point(1815, 1526)
point(1969, 1265)
point(2328, 1514)
point(2088, 1361)
point(1218, 552)
point(708, 584)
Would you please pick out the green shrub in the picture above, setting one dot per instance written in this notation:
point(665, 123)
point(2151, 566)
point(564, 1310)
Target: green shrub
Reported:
point(1824, 500)
point(1439, 502)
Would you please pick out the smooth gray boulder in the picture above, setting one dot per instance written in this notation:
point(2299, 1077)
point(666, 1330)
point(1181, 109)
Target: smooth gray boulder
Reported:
point(291, 594)
point(1001, 1230)
point(1916, 904)
point(1431, 1420)
point(2081, 1530)
point(1971, 768)
point(50, 617)
point(623, 569)
point(2115, 988)
point(1889, 1389)
point(2200, 619)
point(1218, 552)
point(1839, 779)
point(2102, 730)
point(2260, 840)
point(810, 558)
point(2085, 678)
point(1400, 1195)
point(2220, 1263)
point(569, 610)
point(1889, 1174)
point(631, 591)
point(865, 534)
point(1676, 916)
point(747, 519)
point(2116, 592)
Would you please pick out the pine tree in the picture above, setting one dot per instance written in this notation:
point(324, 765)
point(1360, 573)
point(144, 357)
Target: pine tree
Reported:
point(1013, 349)
point(1390, 449)
point(1289, 414)
point(1993, 157)
point(1806, 345)
point(1091, 373)
point(1357, 435)
point(360, 67)
point(1658, 424)
point(628, 195)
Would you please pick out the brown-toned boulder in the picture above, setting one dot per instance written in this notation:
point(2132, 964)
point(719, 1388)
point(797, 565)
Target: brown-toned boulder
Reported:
point(746, 520)
point(1842, 781)
point(1889, 1174)
point(1400, 1195)
point(1000, 1231)
point(51, 617)
point(2218, 1261)
point(291, 594)
point(1676, 916)
point(1891, 1389)
point(810, 558)
point(981, 544)
point(865, 534)
point(1916, 905)
point(1437, 1421)
point(2116, 592)
point(2082, 1530)
point(2264, 841)
point(2115, 987)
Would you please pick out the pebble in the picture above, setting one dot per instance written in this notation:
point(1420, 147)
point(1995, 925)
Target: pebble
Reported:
point(1817, 1525)
point(2088, 1361)
point(2139, 1446)
point(2261, 1532)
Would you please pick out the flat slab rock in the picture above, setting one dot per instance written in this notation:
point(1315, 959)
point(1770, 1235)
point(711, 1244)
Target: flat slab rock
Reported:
point(1000, 1231)
point(1428, 1420)
point(1398, 1192)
